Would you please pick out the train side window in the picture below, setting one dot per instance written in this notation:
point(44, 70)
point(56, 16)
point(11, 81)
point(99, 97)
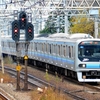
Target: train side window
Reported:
point(2, 44)
point(42, 47)
point(72, 52)
point(50, 48)
point(47, 47)
point(61, 50)
point(35, 46)
point(58, 49)
point(31, 46)
point(38, 47)
point(12, 45)
point(9, 44)
point(64, 50)
point(54, 49)
point(69, 52)
point(28, 48)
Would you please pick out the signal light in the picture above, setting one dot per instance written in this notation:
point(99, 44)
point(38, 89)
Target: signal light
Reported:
point(23, 20)
point(15, 30)
point(29, 32)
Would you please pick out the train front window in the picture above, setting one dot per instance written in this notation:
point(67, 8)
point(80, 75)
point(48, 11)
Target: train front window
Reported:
point(89, 51)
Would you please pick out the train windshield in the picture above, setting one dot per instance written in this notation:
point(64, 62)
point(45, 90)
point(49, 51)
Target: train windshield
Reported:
point(89, 51)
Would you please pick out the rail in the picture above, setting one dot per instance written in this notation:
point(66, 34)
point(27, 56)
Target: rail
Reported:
point(41, 83)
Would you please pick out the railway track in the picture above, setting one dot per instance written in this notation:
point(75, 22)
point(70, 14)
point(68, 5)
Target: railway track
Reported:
point(40, 83)
point(3, 97)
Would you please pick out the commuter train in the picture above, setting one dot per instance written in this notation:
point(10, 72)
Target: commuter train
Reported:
point(75, 55)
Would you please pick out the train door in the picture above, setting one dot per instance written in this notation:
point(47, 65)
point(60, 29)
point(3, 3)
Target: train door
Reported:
point(38, 51)
point(46, 52)
point(29, 50)
point(52, 54)
point(54, 58)
point(33, 49)
point(63, 55)
point(51, 58)
point(49, 53)
point(58, 55)
point(70, 60)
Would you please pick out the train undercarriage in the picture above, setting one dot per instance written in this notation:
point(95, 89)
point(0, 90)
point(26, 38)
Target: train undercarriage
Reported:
point(45, 67)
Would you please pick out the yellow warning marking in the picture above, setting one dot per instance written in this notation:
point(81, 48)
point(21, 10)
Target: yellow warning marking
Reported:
point(18, 68)
point(25, 57)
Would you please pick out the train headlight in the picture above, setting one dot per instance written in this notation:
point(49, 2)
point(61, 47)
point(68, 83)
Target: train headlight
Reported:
point(82, 65)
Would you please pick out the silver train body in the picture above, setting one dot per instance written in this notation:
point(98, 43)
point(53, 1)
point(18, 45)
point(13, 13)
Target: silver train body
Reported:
point(78, 57)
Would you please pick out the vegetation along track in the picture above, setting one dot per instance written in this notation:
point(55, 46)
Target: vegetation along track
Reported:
point(74, 93)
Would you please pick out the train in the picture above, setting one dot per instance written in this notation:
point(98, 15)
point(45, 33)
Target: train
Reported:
point(76, 56)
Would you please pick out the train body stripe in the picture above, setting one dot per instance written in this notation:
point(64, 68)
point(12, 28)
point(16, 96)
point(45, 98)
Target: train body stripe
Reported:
point(55, 58)
point(93, 66)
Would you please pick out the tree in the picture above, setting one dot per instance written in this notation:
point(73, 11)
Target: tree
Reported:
point(49, 26)
point(51, 23)
point(82, 25)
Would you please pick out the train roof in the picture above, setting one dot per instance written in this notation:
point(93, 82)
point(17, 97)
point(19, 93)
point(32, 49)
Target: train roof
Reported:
point(65, 37)
point(71, 36)
point(62, 37)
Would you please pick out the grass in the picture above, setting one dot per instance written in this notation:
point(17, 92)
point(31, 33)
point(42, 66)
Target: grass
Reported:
point(6, 77)
point(8, 60)
point(49, 94)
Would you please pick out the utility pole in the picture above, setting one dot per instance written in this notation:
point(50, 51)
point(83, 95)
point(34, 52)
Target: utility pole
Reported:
point(66, 22)
point(96, 27)
point(2, 63)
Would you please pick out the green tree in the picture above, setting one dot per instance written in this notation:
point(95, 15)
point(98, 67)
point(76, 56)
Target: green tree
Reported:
point(82, 25)
point(50, 25)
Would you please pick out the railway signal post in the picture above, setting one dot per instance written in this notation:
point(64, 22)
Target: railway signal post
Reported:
point(23, 24)
point(15, 37)
point(15, 30)
point(26, 77)
point(18, 68)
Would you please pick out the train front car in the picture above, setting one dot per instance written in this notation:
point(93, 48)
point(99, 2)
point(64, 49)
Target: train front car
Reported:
point(88, 60)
